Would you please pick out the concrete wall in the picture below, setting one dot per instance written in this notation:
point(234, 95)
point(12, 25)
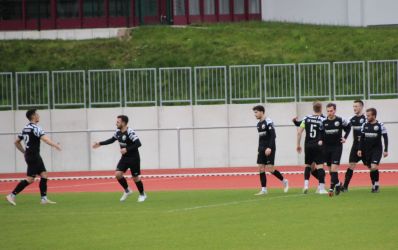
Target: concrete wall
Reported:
point(217, 147)
point(69, 34)
point(332, 12)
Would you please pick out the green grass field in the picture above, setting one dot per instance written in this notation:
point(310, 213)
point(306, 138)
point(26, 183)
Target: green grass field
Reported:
point(205, 44)
point(204, 220)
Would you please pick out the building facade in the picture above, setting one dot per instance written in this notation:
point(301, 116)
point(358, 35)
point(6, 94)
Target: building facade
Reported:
point(75, 14)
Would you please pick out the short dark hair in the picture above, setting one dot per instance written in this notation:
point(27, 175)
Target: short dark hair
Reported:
point(317, 106)
point(259, 108)
point(124, 118)
point(359, 101)
point(331, 104)
point(30, 113)
point(372, 110)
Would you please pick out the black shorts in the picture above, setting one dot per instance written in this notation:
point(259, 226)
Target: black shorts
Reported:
point(372, 156)
point(313, 154)
point(134, 164)
point(332, 154)
point(354, 158)
point(266, 160)
point(35, 165)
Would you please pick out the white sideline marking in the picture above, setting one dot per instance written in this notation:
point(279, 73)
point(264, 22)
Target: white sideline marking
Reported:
point(171, 176)
point(232, 203)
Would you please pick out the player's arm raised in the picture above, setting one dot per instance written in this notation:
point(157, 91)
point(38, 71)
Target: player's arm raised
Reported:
point(48, 141)
point(19, 146)
point(103, 143)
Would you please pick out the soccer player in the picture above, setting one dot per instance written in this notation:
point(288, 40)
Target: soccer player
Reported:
point(308, 170)
point(266, 150)
point(333, 144)
point(356, 124)
point(370, 146)
point(129, 144)
point(312, 124)
point(32, 134)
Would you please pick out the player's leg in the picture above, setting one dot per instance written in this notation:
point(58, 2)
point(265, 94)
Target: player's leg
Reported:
point(119, 175)
point(261, 161)
point(263, 178)
point(20, 186)
point(270, 163)
point(334, 169)
point(43, 188)
point(350, 170)
point(334, 180)
point(374, 169)
point(374, 175)
point(314, 171)
point(271, 168)
point(136, 172)
point(307, 174)
point(308, 159)
point(321, 176)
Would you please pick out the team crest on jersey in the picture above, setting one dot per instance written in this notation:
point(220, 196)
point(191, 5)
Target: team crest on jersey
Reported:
point(376, 128)
point(124, 137)
point(263, 126)
point(337, 124)
point(362, 120)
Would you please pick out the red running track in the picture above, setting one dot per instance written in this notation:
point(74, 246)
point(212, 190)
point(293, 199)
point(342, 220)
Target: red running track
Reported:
point(170, 183)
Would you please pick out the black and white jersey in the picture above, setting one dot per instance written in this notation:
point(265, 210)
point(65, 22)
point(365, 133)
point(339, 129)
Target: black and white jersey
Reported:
point(31, 135)
point(266, 133)
point(128, 140)
point(313, 125)
point(333, 130)
point(371, 136)
point(356, 123)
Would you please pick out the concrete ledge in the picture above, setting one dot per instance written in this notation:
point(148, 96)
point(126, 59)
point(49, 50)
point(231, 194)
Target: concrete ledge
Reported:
point(66, 34)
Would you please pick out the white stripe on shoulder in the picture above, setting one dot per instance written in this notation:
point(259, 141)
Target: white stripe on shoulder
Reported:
point(269, 121)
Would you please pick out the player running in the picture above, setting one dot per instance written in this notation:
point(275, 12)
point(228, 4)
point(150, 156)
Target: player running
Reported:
point(312, 124)
point(129, 144)
point(266, 150)
point(356, 124)
point(32, 134)
point(370, 146)
point(333, 144)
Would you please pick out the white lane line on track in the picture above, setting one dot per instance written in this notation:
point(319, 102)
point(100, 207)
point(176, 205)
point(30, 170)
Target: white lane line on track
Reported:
point(171, 176)
point(78, 185)
point(232, 203)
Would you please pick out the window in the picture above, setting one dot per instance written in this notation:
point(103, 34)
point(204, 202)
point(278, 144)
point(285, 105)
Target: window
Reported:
point(194, 9)
point(10, 9)
point(119, 7)
point(150, 7)
point(239, 7)
point(179, 7)
point(93, 8)
point(67, 8)
point(254, 6)
point(38, 9)
point(224, 7)
point(209, 7)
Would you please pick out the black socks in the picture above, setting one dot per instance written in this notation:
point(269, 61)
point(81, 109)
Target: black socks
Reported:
point(140, 187)
point(43, 187)
point(263, 179)
point(21, 186)
point(123, 182)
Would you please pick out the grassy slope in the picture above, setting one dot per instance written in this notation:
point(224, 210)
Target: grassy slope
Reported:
point(219, 44)
point(357, 220)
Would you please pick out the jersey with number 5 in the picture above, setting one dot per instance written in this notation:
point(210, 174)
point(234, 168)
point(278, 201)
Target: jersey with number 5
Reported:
point(31, 135)
point(313, 127)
